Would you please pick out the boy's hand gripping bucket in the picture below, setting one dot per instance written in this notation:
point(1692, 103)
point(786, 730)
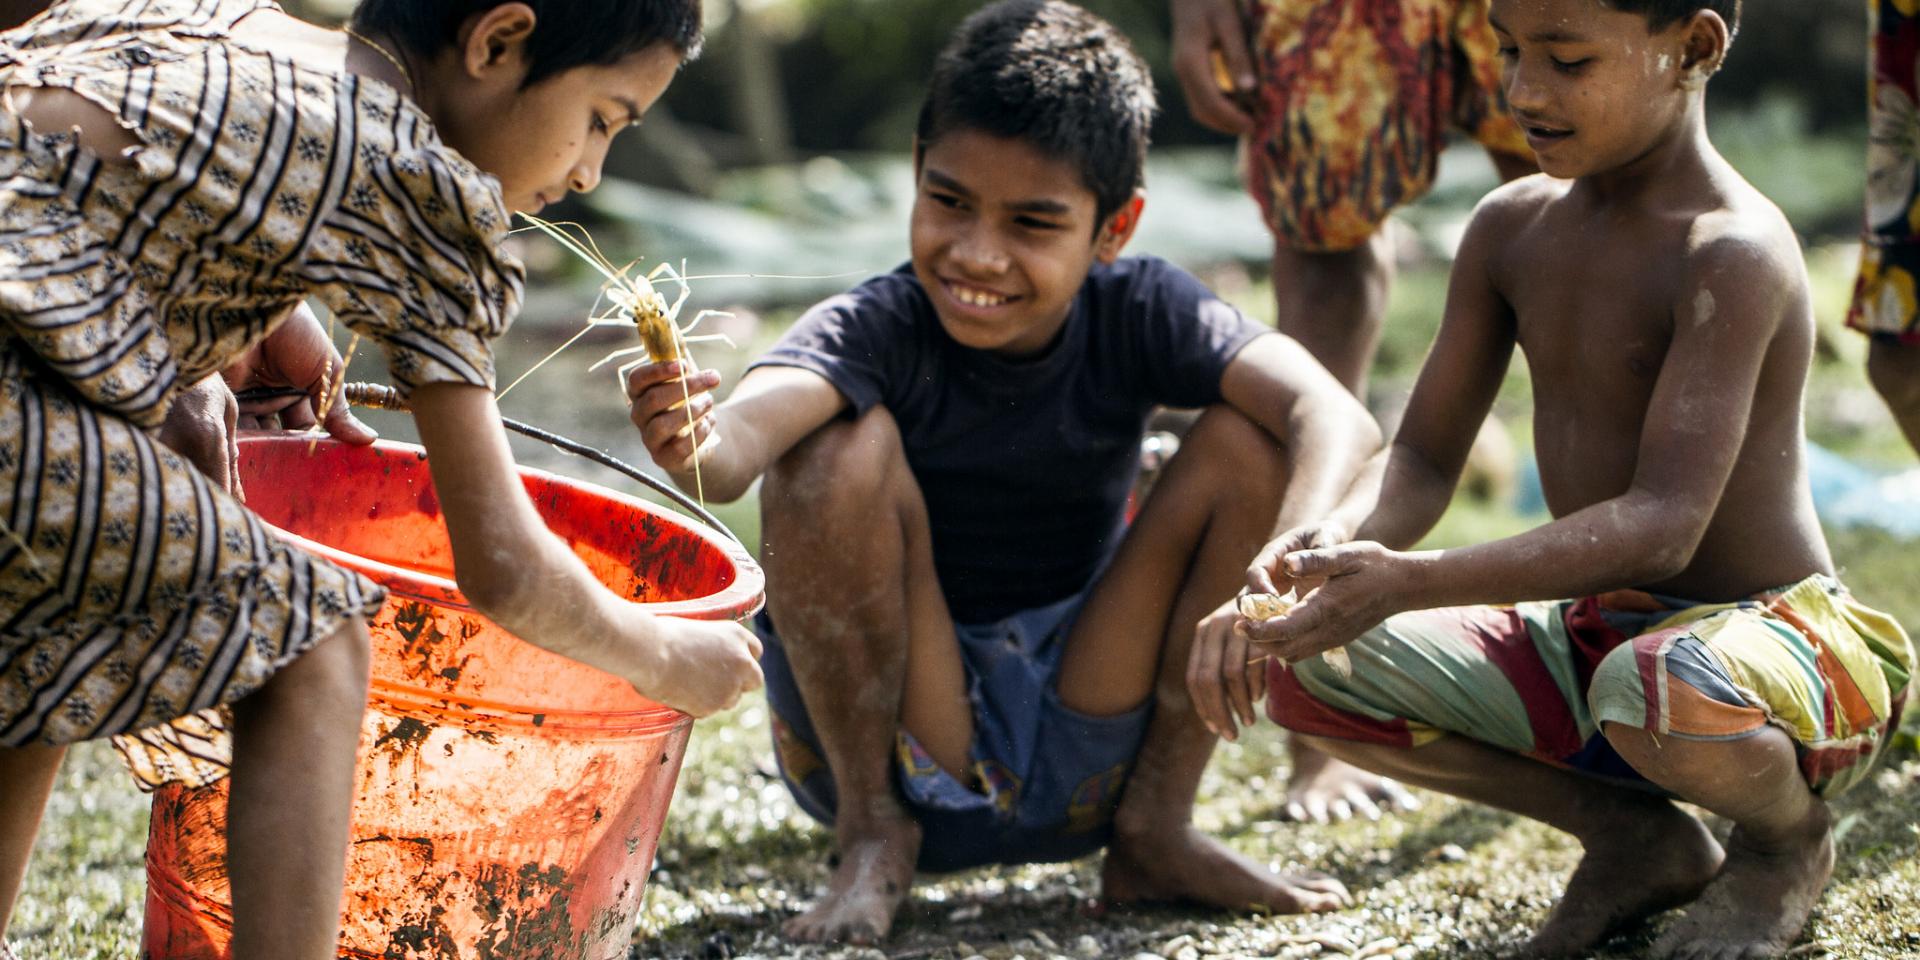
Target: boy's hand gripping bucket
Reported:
point(508, 799)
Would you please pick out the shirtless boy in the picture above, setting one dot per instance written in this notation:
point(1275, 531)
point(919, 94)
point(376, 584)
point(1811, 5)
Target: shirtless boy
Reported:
point(1662, 306)
point(965, 633)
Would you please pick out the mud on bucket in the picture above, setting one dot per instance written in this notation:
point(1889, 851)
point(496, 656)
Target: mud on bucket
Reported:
point(508, 799)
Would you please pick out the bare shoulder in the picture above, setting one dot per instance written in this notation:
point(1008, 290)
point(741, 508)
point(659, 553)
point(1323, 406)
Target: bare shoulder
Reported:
point(1743, 252)
point(1517, 201)
point(1501, 217)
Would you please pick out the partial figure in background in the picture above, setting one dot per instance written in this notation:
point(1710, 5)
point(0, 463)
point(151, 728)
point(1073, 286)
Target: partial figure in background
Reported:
point(1344, 107)
point(1886, 304)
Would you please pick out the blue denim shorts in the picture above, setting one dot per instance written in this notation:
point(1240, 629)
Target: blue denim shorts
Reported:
point(1045, 779)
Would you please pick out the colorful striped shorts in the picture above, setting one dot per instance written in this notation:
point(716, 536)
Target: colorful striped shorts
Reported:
point(1539, 678)
point(1355, 101)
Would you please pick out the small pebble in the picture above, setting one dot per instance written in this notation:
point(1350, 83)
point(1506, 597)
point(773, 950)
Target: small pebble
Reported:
point(971, 911)
point(1448, 853)
point(1046, 943)
point(1086, 946)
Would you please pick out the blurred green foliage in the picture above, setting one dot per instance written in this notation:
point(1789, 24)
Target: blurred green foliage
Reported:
point(851, 70)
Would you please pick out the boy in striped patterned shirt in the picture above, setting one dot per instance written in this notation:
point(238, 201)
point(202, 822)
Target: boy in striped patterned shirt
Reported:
point(176, 177)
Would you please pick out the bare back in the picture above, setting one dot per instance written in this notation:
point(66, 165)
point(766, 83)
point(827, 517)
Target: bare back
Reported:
point(1597, 292)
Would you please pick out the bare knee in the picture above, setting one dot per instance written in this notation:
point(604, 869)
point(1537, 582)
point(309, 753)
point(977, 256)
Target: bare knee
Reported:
point(1244, 462)
point(846, 462)
point(1894, 369)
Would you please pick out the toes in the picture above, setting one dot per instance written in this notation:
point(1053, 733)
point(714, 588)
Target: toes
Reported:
point(1389, 793)
point(860, 934)
point(1340, 810)
point(1317, 809)
point(1361, 804)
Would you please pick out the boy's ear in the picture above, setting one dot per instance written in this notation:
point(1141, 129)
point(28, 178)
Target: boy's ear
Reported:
point(1704, 39)
point(496, 37)
point(1119, 227)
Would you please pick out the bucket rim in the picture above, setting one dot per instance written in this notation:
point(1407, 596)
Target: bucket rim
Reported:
point(738, 600)
point(654, 719)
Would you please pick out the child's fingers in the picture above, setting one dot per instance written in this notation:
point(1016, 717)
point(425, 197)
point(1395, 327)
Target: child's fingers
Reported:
point(660, 430)
point(646, 375)
point(1320, 562)
point(1204, 682)
point(1256, 679)
point(1236, 668)
point(1260, 580)
point(684, 452)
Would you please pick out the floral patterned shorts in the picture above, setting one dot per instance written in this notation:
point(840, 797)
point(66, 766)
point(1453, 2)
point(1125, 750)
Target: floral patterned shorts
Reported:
point(1884, 303)
point(1355, 101)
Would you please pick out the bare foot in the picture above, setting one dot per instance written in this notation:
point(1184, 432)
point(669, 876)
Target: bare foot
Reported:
point(1657, 858)
point(868, 886)
point(1758, 905)
point(1323, 789)
point(1181, 864)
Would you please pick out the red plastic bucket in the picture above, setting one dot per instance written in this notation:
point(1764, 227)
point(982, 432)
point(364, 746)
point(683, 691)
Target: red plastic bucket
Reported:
point(508, 799)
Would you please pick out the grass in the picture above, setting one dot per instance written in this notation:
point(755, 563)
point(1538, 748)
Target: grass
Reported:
point(1448, 881)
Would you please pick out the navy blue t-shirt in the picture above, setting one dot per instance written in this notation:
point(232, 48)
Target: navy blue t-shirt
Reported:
point(1025, 464)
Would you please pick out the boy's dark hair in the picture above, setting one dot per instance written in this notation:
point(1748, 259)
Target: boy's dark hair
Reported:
point(1055, 76)
point(566, 33)
point(1662, 14)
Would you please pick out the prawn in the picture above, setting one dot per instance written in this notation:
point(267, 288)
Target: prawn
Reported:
point(636, 301)
point(1266, 606)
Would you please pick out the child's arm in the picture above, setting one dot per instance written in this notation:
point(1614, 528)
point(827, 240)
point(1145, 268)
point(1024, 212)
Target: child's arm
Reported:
point(523, 578)
point(1328, 436)
point(1729, 311)
point(1398, 492)
point(772, 409)
point(1327, 433)
point(1401, 491)
point(1405, 488)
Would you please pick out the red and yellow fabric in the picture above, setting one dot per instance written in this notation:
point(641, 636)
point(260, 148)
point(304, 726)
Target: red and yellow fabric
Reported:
point(1355, 101)
point(1883, 296)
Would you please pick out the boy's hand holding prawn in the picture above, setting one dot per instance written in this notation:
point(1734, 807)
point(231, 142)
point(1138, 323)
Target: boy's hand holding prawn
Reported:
point(672, 404)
